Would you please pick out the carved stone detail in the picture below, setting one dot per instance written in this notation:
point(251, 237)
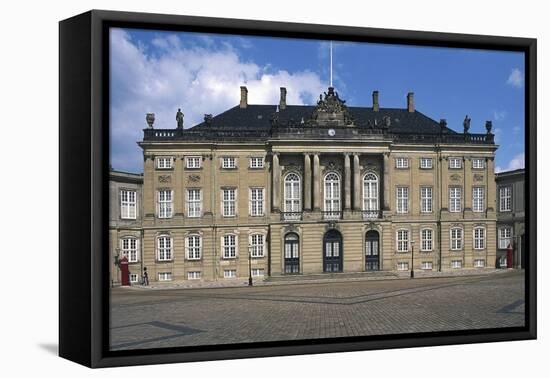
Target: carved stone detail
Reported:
point(455, 177)
point(478, 177)
point(194, 178)
point(165, 178)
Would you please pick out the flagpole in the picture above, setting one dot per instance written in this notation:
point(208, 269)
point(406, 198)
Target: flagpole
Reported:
point(331, 63)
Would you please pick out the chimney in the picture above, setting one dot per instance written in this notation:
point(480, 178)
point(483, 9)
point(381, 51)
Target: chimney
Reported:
point(410, 102)
point(282, 101)
point(244, 97)
point(375, 105)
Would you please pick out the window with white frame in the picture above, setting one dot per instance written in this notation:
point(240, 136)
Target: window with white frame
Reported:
point(229, 246)
point(165, 276)
point(256, 162)
point(455, 199)
point(402, 240)
point(505, 198)
point(229, 197)
point(478, 199)
point(479, 263)
point(426, 239)
point(164, 200)
point(134, 278)
point(456, 238)
point(426, 163)
point(164, 162)
point(370, 192)
point(504, 237)
point(402, 265)
point(229, 273)
point(478, 163)
point(129, 248)
point(193, 162)
point(193, 244)
point(195, 275)
point(194, 203)
point(332, 192)
point(257, 272)
point(128, 204)
point(402, 199)
point(257, 245)
point(164, 248)
point(479, 237)
point(229, 162)
point(401, 162)
point(426, 199)
point(256, 202)
point(426, 265)
point(292, 193)
point(455, 163)
point(456, 264)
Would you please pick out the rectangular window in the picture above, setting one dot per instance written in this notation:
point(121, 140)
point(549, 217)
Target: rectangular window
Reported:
point(229, 246)
point(229, 163)
point(194, 275)
point(164, 246)
point(194, 247)
point(456, 239)
point(505, 198)
point(194, 203)
point(478, 163)
point(229, 273)
point(165, 203)
point(257, 272)
point(257, 245)
point(455, 199)
point(456, 264)
point(402, 265)
point(478, 199)
point(134, 278)
point(130, 249)
point(479, 263)
point(228, 202)
point(504, 237)
point(426, 163)
point(164, 162)
point(426, 199)
point(402, 240)
point(193, 162)
point(401, 162)
point(402, 199)
point(256, 202)
point(165, 276)
point(455, 163)
point(128, 204)
point(256, 162)
point(426, 265)
point(426, 239)
point(479, 238)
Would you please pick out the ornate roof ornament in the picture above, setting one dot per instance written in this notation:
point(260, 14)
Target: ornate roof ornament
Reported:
point(331, 111)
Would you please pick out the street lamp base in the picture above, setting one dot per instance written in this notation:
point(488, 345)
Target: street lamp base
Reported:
point(250, 281)
point(412, 273)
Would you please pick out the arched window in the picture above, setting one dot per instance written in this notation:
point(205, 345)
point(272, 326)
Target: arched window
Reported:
point(292, 193)
point(370, 194)
point(332, 193)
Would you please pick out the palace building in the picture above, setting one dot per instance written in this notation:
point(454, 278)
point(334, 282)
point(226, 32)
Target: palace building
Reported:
point(315, 189)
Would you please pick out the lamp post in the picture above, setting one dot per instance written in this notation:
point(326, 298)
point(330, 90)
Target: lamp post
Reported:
point(412, 258)
point(250, 265)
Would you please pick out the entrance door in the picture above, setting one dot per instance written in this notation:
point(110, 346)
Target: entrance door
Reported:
point(372, 251)
point(332, 252)
point(292, 254)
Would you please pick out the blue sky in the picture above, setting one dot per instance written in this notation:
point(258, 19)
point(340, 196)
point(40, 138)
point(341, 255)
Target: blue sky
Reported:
point(153, 71)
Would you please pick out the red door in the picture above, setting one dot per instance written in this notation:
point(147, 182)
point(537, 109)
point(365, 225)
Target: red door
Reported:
point(124, 273)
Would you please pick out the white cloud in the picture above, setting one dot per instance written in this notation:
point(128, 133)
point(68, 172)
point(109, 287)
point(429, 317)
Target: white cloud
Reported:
point(499, 115)
point(517, 162)
point(198, 79)
point(516, 78)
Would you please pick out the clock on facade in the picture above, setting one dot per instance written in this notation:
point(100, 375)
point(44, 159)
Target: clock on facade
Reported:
point(331, 132)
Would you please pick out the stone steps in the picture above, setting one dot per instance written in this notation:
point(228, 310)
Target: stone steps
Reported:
point(331, 276)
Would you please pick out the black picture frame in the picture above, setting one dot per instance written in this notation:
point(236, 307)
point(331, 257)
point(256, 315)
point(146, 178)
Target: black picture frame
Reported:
point(83, 196)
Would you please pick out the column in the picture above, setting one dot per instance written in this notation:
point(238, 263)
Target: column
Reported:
point(275, 170)
point(356, 183)
point(387, 181)
point(347, 182)
point(307, 182)
point(316, 183)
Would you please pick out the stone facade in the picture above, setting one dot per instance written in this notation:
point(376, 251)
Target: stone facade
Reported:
point(313, 189)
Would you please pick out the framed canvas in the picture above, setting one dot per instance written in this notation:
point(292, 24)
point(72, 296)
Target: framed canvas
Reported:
point(235, 188)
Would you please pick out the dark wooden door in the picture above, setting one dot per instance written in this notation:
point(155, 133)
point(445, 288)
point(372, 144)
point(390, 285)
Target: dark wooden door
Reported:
point(372, 251)
point(332, 252)
point(292, 254)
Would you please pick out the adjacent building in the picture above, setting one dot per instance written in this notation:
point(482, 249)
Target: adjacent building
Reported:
point(309, 190)
point(511, 218)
